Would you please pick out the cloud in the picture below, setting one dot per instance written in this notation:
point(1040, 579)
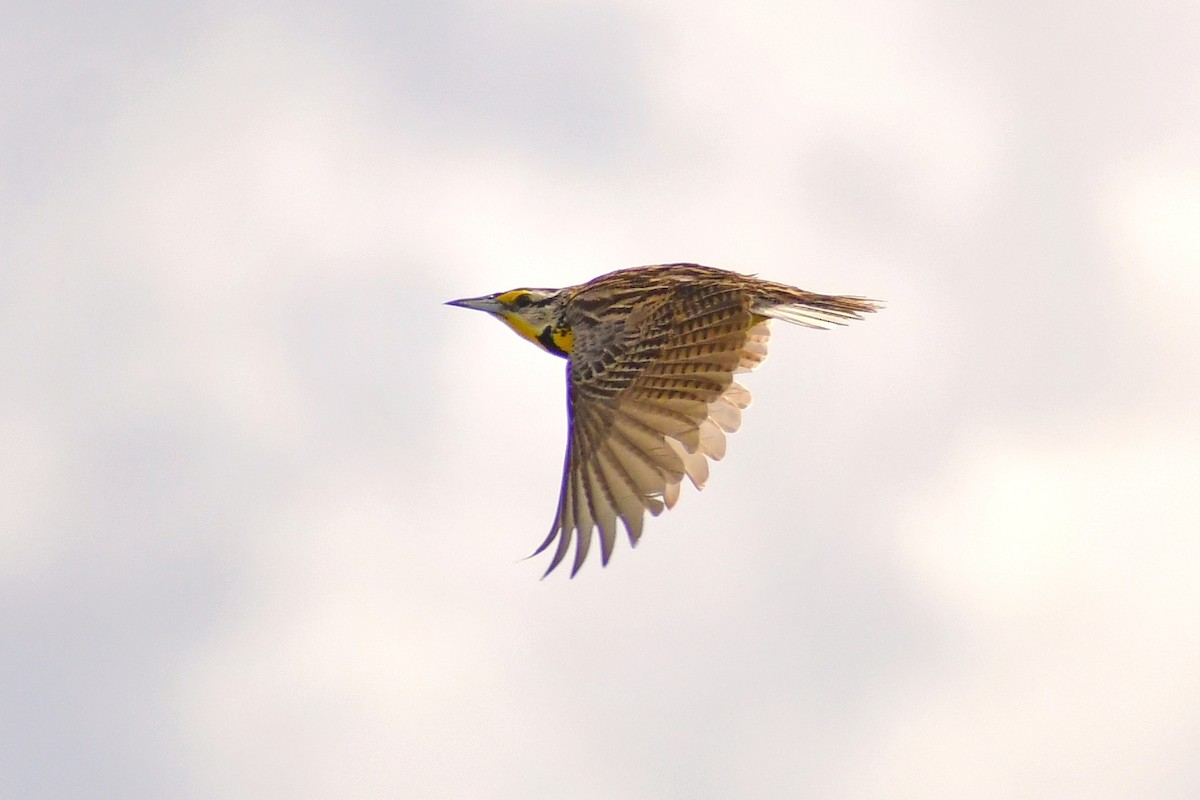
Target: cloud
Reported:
point(1064, 570)
point(263, 497)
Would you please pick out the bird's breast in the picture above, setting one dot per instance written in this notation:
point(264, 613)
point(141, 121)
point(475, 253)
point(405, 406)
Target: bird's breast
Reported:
point(558, 341)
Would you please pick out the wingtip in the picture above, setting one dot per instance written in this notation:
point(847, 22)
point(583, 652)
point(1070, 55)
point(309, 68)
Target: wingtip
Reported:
point(553, 566)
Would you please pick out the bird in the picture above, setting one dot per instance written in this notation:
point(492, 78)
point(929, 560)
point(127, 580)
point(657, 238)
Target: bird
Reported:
point(651, 356)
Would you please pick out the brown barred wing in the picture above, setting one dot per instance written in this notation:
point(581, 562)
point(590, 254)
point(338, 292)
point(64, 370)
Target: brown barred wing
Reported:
point(650, 399)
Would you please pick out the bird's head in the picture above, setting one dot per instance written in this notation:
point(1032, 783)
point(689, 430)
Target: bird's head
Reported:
point(535, 314)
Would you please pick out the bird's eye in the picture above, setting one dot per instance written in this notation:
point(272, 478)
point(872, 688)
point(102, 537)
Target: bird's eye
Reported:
point(522, 300)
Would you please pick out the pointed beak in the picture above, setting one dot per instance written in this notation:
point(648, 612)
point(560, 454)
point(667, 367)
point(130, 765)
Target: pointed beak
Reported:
point(488, 304)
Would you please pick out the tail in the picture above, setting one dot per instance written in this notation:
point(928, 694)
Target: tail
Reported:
point(810, 309)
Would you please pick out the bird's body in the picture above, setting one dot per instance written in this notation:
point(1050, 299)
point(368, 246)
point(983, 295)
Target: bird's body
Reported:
point(651, 355)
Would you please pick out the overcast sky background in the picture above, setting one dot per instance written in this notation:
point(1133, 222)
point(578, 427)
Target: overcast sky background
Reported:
point(263, 499)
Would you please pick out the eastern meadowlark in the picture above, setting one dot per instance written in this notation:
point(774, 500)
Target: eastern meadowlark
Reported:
point(651, 354)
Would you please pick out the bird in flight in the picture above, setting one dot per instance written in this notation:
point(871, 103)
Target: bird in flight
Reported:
point(651, 354)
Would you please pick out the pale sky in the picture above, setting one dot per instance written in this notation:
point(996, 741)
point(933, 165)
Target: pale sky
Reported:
point(264, 499)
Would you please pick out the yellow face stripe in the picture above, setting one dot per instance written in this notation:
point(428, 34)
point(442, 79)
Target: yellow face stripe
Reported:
point(521, 326)
point(562, 339)
point(508, 297)
point(531, 316)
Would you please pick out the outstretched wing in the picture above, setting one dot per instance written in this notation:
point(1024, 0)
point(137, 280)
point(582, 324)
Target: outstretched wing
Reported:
point(650, 398)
